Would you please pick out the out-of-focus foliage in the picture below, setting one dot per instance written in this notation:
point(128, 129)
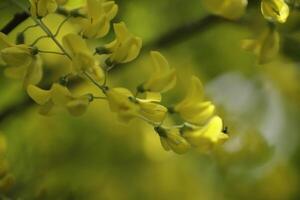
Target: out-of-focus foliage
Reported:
point(97, 157)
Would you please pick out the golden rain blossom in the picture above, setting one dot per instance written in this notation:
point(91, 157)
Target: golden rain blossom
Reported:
point(126, 47)
point(230, 9)
point(193, 108)
point(275, 10)
point(83, 60)
point(265, 47)
point(162, 79)
point(99, 13)
point(21, 60)
point(171, 139)
point(120, 103)
point(151, 110)
point(58, 95)
point(41, 8)
point(127, 107)
point(205, 137)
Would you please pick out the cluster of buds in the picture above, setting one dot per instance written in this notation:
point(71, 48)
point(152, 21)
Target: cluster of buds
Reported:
point(200, 127)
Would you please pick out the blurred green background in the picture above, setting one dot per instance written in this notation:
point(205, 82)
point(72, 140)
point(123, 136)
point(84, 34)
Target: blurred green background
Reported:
point(96, 157)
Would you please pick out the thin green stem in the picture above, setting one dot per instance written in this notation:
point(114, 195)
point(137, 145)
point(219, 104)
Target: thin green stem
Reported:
point(148, 121)
point(101, 87)
point(29, 27)
point(43, 27)
point(101, 98)
point(52, 52)
point(105, 78)
point(61, 25)
point(50, 34)
point(38, 39)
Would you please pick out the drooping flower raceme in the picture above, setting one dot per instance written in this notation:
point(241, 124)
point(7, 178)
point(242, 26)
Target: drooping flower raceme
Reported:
point(199, 126)
point(275, 10)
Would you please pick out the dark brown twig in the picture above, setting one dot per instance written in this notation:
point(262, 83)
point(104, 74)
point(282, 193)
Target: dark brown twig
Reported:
point(17, 20)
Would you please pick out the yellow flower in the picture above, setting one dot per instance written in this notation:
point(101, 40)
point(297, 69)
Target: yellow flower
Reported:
point(172, 140)
point(126, 47)
point(207, 135)
point(162, 79)
point(119, 101)
point(83, 60)
point(60, 96)
point(122, 101)
point(99, 15)
point(41, 8)
point(17, 55)
point(193, 108)
point(275, 10)
point(231, 9)
point(151, 110)
point(266, 47)
point(21, 61)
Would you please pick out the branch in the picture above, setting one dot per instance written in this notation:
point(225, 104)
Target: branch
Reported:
point(185, 31)
point(17, 20)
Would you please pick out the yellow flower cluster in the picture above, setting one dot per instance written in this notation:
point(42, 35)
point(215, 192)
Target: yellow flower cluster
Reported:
point(200, 127)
